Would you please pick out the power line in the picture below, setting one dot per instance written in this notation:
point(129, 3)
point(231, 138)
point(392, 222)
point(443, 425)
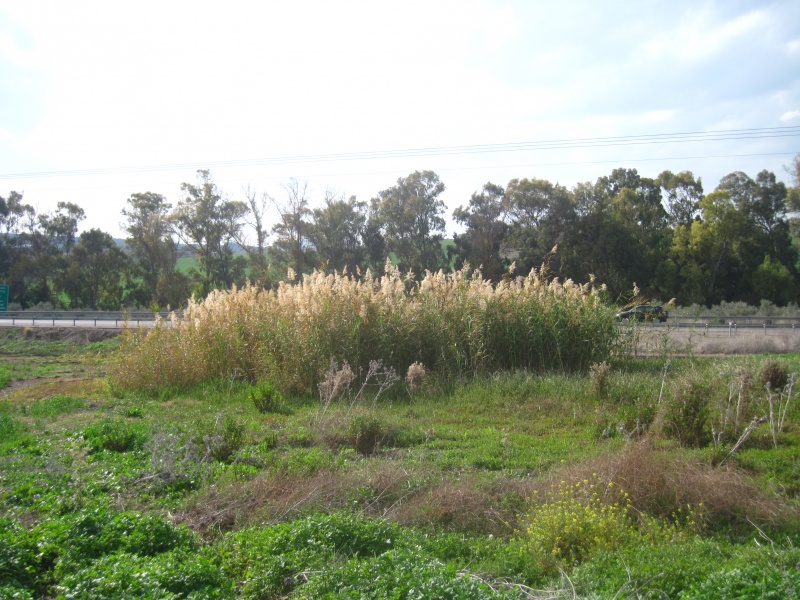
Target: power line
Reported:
point(556, 144)
point(619, 161)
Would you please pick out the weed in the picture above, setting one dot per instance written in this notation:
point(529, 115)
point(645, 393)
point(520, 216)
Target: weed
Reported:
point(574, 521)
point(687, 413)
point(54, 406)
point(415, 377)
point(599, 373)
point(266, 398)
point(454, 324)
point(365, 433)
point(114, 435)
point(774, 374)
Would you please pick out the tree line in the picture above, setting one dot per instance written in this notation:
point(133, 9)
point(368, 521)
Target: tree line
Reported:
point(664, 235)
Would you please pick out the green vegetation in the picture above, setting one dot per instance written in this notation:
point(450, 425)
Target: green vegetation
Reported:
point(639, 477)
point(663, 235)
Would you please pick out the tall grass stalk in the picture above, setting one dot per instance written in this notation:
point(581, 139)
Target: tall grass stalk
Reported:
point(454, 324)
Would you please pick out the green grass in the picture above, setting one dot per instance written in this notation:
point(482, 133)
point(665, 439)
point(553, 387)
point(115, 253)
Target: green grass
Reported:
point(283, 504)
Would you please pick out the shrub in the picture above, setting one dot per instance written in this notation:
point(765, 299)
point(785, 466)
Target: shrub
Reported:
point(774, 373)
point(573, 522)
point(227, 440)
point(266, 398)
point(114, 435)
point(365, 433)
point(687, 414)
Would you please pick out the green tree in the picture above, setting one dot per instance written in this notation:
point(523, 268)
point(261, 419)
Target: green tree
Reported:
point(540, 214)
point(337, 233)
point(153, 251)
point(409, 217)
point(96, 272)
point(62, 226)
point(480, 244)
point(209, 224)
point(682, 194)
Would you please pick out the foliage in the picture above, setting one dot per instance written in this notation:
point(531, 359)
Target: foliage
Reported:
point(574, 521)
point(398, 574)
point(172, 575)
point(775, 374)
point(687, 413)
point(114, 435)
point(365, 432)
point(409, 215)
point(266, 398)
point(770, 582)
point(208, 223)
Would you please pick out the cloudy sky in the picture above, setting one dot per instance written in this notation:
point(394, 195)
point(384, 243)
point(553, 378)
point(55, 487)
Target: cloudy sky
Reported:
point(102, 99)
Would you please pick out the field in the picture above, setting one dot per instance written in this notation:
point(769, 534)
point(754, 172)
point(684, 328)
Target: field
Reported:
point(386, 437)
point(616, 482)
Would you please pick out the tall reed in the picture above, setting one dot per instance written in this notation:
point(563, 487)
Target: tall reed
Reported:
point(452, 324)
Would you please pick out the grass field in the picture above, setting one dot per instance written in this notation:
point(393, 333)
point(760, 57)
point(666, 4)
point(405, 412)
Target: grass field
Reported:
point(619, 482)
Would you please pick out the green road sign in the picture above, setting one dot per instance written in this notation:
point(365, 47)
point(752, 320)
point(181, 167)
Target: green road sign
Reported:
point(3, 297)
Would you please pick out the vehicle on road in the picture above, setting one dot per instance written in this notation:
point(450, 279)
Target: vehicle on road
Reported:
point(644, 313)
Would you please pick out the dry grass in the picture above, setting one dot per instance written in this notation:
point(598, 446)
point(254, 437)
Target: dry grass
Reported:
point(657, 484)
point(452, 324)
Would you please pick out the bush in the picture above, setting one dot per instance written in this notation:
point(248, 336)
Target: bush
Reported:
point(227, 441)
point(366, 433)
point(774, 373)
point(575, 521)
point(266, 398)
point(114, 435)
point(687, 414)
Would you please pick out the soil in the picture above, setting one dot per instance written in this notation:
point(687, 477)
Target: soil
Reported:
point(77, 335)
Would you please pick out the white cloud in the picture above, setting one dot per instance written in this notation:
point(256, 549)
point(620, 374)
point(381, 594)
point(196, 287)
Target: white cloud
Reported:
point(697, 35)
point(790, 115)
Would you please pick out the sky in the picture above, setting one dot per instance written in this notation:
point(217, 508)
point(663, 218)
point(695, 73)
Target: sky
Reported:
point(100, 100)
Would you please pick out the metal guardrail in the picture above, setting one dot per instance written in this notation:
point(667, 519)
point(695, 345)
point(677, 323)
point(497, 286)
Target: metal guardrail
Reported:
point(117, 319)
point(56, 318)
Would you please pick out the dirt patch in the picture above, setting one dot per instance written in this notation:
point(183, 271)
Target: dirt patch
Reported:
point(76, 335)
point(650, 341)
point(45, 387)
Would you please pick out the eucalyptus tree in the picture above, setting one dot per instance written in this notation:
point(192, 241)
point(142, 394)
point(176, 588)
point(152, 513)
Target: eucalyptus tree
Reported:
point(209, 224)
point(484, 219)
point(153, 251)
point(409, 216)
point(95, 274)
point(337, 233)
